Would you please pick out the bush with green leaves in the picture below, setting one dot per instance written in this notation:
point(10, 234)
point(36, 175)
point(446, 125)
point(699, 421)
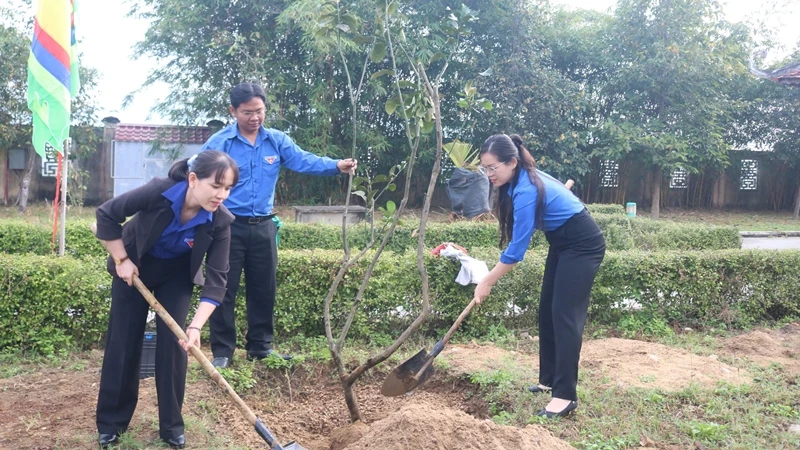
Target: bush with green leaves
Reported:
point(48, 303)
point(621, 233)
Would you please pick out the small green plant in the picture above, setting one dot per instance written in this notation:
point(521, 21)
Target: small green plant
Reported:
point(503, 418)
point(603, 443)
point(30, 421)
point(641, 324)
point(462, 154)
point(706, 431)
point(786, 411)
point(241, 379)
point(498, 378)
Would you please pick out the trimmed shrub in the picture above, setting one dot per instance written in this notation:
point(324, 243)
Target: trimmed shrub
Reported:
point(605, 208)
point(621, 232)
point(49, 303)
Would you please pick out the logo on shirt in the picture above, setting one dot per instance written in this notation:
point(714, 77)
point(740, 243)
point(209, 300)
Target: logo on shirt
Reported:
point(269, 159)
point(189, 242)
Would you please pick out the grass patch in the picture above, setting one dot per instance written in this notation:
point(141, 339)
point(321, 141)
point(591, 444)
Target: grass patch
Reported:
point(727, 416)
point(762, 220)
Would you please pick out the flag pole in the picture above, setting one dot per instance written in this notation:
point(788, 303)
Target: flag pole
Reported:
point(64, 176)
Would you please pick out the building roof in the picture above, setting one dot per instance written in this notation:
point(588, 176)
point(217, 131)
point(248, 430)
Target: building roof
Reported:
point(172, 134)
point(787, 75)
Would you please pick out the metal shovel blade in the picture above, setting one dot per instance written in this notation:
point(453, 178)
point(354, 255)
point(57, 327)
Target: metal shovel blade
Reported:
point(272, 441)
point(401, 380)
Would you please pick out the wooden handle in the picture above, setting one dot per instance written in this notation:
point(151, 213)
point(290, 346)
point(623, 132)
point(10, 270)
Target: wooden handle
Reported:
point(445, 339)
point(458, 321)
point(196, 352)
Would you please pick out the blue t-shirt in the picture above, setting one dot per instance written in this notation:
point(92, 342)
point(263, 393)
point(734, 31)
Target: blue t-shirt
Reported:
point(560, 204)
point(260, 164)
point(178, 239)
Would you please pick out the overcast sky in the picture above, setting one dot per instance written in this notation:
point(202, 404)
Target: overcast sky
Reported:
point(107, 37)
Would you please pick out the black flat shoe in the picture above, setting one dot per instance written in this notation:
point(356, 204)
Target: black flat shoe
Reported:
point(258, 356)
point(221, 362)
point(177, 442)
point(537, 389)
point(573, 405)
point(107, 439)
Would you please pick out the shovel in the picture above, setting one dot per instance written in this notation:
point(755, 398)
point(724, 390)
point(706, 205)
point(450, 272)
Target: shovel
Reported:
point(417, 369)
point(261, 429)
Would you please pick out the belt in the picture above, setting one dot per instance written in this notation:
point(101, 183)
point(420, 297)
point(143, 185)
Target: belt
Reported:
point(254, 220)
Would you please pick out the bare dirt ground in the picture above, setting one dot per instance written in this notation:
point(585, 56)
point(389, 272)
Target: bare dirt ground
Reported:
point(51, 407)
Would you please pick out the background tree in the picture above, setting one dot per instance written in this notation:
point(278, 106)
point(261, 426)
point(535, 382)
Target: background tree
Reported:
point(671, 62)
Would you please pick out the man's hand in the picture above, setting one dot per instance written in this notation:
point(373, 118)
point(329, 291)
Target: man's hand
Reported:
point(348, 165)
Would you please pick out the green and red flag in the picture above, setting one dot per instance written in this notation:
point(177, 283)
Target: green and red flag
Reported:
point(52, 73)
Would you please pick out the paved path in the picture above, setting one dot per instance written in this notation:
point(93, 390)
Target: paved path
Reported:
point(772, 243)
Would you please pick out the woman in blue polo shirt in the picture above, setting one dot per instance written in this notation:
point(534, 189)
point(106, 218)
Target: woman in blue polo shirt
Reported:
point(178, 223)
point(529, 200)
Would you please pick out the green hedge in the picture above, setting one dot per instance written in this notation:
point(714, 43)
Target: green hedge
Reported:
point(47, 303)
point(605, 208)
point(621, 232)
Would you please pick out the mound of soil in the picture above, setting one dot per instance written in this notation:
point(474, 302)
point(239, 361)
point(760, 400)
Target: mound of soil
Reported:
point(472, 358)
point(421, 426)
point(764, 347)
point(646, 364)
point(625, 362)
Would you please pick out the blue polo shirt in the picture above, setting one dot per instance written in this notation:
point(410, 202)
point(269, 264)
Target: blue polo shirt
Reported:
point(560, 204)
point(260, 164)
point(178, 239)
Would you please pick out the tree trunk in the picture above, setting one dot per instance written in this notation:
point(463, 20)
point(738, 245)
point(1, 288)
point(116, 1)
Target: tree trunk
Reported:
point(352, 402)
point(796, 204)
point(24, 184)
point(655, 208)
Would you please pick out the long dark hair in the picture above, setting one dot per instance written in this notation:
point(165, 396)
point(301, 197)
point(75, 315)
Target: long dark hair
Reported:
point(207, 164)
point(506, 148)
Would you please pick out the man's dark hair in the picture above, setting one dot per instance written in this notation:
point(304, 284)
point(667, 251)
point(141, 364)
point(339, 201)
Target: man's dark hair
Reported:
point(244, 92)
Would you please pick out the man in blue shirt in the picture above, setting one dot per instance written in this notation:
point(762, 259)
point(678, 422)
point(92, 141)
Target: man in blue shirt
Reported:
point(260, 153)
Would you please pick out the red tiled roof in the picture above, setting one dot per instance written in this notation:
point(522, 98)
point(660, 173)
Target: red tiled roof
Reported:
point(172, 134)
point(787, 75)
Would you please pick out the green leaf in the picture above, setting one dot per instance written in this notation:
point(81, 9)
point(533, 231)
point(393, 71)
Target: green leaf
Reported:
point(378, 52)
point(381, 73)
point(391, 105)
point(436, 56)
point(487, 105)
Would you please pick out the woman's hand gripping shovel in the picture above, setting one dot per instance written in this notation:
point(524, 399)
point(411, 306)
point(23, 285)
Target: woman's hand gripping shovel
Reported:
point(261, 429)
point(416, 370)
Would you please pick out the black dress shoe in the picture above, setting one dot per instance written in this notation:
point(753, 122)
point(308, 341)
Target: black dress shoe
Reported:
point(107, 439)
point(221, 362)
point(258, 356)
point(563, 413)
point(176, 442)
point(537, 389)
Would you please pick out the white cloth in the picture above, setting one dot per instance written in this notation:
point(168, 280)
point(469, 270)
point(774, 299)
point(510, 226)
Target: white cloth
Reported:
point(472, 270)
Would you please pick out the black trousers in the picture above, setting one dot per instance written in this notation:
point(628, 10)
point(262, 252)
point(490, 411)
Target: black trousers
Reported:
point(119, 380)
point(253, 248)
point(576, 251)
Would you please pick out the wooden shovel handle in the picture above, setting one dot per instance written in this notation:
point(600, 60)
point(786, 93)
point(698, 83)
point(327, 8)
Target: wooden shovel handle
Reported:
point(440, 345)
point(196, 352)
